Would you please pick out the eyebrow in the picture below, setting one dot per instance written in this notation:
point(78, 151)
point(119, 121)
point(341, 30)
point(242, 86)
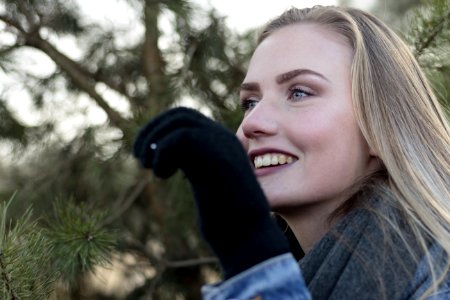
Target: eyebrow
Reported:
point(253, 86)
point(250, 86)
point(294, 73)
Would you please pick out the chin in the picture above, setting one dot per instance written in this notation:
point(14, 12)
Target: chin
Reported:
point(291, 206)
point(277, 205)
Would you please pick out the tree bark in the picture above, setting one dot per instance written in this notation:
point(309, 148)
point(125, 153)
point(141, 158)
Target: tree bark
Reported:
point(154, 63)
point(78, 77)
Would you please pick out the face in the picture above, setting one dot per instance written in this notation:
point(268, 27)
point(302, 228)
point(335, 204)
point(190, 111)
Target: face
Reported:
point(299, 127)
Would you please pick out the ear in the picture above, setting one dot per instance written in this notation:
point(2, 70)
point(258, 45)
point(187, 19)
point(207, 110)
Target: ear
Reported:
point(375, 163)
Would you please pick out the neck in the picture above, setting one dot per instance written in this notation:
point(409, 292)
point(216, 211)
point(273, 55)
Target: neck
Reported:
point(309, 223)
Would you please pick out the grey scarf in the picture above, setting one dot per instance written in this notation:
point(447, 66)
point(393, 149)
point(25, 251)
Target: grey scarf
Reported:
point(360, 259)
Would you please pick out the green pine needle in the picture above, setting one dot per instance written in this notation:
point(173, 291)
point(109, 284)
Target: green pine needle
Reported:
point(431, 26)
point(78, 242)
point(24, 259)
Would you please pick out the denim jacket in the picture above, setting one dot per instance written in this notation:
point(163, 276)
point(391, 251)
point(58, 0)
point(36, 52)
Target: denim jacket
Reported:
point(280, 278)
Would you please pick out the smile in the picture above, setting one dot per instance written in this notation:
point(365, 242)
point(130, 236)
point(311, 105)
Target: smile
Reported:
point(272, 159)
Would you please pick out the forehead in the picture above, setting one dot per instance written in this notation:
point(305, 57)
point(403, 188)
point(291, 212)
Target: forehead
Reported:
point(309, 46)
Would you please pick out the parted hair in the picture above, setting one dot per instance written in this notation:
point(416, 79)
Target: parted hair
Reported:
point(400, 118)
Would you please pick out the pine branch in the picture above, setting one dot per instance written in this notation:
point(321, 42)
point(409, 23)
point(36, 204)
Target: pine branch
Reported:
point(150, 284)
point(79, 78)
point(12, 23)
point(154, 63)
point(135, 245)
point(7, 279)
point(77, 241)
point(127, 199)
point(33, 24)
point(24, 259)
point(191, 262)
point(421, 45)
point(160, 266)
point(120, 88)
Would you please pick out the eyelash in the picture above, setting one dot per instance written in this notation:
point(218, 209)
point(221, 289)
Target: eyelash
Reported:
point(247, 102)
point(296, 90)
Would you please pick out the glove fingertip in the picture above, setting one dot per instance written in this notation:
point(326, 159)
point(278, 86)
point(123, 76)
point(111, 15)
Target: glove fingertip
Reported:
point(163, 166)
point(169, 157)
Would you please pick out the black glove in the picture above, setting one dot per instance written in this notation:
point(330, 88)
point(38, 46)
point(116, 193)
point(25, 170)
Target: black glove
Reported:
point(233, 212)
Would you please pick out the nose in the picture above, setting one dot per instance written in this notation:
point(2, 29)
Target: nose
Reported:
point(259, 122)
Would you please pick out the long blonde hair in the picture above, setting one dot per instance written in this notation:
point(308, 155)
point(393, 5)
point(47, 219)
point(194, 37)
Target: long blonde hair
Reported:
point(400, 118)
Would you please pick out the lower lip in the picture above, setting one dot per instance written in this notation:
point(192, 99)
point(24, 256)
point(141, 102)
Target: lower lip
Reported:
point(270, 170)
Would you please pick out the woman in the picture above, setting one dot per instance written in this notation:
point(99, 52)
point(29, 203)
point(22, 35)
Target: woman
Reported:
point(350, 148)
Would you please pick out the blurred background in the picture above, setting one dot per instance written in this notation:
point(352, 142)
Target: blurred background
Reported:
point(80, 218)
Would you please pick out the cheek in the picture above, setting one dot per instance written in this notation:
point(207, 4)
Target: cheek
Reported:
point(241, 137)
point(347, 158)
point(335, 153)
point(332, 130)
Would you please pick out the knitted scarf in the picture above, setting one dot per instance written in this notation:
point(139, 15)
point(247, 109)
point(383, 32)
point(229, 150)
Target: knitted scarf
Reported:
point(360, 259)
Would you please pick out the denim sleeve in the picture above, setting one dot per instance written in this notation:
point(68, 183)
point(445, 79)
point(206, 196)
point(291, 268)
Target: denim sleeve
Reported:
point(276, 278)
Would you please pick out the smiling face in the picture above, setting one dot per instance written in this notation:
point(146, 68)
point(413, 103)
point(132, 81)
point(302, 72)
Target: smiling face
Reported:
point(299, 127)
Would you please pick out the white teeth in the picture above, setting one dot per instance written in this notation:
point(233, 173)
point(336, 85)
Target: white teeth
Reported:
point(272, 159)
point(258, 162)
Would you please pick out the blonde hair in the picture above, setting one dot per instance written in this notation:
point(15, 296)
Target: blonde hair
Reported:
point(400, 118)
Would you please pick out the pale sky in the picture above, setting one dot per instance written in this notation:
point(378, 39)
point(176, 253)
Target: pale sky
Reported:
point(245, 14)
point(240, 14)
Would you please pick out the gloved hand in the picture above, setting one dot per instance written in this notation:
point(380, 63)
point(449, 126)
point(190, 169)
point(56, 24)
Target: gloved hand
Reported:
point(233, 212)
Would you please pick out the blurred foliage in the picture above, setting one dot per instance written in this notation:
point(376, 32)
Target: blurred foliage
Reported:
point(11, 128)
point(33, 256)
point(109, 78)
point(25, 271)
point(430, 35)
point(170, 52)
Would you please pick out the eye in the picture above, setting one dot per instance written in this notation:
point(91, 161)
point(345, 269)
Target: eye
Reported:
point(248, 104)
point(297, 94)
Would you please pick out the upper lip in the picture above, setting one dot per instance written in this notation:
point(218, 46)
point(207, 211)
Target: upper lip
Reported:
point(261, 151)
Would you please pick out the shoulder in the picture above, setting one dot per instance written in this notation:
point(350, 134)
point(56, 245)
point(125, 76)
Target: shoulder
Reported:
point(423, 278)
